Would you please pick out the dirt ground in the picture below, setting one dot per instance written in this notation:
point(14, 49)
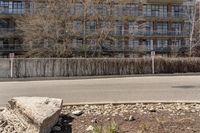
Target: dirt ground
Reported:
point(172, 118)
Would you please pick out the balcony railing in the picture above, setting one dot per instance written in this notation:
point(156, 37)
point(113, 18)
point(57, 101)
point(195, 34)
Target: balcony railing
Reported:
point(7, 29)
point(13, 47)
point(151, 33)
point(4, 10)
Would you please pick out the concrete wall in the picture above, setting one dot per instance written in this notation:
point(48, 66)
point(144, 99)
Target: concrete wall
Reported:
point(79, 67)
point(4, 68)
point(23, 68)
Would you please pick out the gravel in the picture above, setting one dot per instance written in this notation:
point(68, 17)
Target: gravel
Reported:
point(131, 118)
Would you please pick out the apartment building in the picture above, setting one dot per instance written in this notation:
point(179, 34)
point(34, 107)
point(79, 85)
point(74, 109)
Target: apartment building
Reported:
point(140, 26)
point(10, 41)
point(137, 26)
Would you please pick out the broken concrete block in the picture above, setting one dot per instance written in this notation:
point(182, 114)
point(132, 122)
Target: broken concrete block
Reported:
point(34, 114)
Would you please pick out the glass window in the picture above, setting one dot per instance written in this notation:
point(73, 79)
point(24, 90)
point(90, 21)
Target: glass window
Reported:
point(149, 28)
point(155, 10)
point(177, 43)
point(77, 42)
point(162, 28)
point(133, 28)
point(162, 44)
point(134, 44)
point(4, 24)
point(131, 10)
point(16, 7)
point(118, 10)
point(91, 26)
point(148, 44)
point(77, 26)
point(77, 9)
point(176, 28)
point(102, 10)
point(119, 30)
point(177, 11)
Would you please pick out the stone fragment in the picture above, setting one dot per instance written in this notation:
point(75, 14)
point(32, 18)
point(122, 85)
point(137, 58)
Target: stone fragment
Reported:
point(90, 128)
point(152, 110)
point(77, 112)
point(94, 120)
point(131, 118)
point(33, 114)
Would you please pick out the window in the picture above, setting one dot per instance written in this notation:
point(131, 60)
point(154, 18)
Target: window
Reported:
point(177, 11)
point(119, 30)
point(188, 27)
point(4, 6)
point(102, 10)
point(118, 10)
point(162, 28)
point(133, 28)
point(155, 10)
point(148, 44)
point(176, 27)
point(4, 24)
point(149, 28)
point(177, 43)
point(91, 26)
point(119, 45)
point(77, 26)
point(91, 44)
point(16, 7)
point(133, 44)
point(91, 10)
point(77, 10)
point(162, 44)
point(189, 11)
point(1, 43)
point(77, 43)
point(107, 45)
point(131, 10)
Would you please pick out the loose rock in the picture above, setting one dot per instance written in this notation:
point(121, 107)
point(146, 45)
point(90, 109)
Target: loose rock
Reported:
point(77, 112)
point(131, 118)
point(90, 128)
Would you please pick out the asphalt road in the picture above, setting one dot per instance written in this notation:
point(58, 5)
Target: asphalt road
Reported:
point(130, 89)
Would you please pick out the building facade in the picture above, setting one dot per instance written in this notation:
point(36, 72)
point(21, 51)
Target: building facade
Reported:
point(10, 41)
point(137, 26)
point(163, 26)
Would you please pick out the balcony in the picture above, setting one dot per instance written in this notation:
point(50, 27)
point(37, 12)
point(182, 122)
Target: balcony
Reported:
point(8, 32)
point(165, 1)
point(13, 48)
point(143, 33)
point(8, 11)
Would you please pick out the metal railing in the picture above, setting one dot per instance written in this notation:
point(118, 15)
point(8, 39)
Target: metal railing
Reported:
point(4, 10)
point(7, 29)
point(151, 33)
point(13, 47)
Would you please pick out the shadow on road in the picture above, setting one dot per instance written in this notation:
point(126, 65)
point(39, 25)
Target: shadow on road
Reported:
point(185, 87)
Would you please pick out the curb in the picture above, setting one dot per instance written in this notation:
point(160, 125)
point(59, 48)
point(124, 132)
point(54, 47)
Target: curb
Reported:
point(95, 77)
point(131, 103)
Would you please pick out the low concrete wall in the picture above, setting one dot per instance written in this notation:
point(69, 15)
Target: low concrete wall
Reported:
point(70, 67)
point(79, 67)
point(4, 68)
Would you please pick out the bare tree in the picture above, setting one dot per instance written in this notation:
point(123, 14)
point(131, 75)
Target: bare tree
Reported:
point(191, 12)
point(45, 28)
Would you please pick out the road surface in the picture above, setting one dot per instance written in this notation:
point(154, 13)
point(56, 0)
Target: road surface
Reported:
point(157, 88)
